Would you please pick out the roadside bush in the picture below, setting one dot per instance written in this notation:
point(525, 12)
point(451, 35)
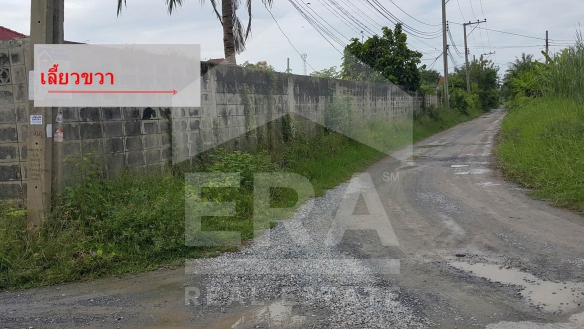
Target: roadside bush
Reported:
point(464, 102)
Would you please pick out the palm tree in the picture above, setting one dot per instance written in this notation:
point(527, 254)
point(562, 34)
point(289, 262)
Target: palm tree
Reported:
point(234, 34)
point(521, 64)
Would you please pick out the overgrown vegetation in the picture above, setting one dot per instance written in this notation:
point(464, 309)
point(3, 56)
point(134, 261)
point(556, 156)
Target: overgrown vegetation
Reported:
point(135, 222)
point(542, 143)
point(383, 58)
point(484, 91)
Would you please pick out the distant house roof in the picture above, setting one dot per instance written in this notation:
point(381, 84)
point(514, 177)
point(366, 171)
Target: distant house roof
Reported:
point(7, 34)
point(441, 80)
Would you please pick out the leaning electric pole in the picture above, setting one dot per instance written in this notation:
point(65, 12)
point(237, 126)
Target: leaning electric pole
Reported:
point(466, 52)
point(445, 56)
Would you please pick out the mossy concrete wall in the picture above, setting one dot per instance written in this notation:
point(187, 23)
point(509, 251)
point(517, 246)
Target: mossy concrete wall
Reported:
point(241, 108)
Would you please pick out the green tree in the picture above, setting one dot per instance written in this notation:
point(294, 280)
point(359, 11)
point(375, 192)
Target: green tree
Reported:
point(263, 65)
point(327, 73)
point(430, 78)
point(483, 74)
point(516, 68)
point(235, 35)
point(383, 57)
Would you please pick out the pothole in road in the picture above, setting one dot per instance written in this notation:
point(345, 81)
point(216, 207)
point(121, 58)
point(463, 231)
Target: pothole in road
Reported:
point(549, 296)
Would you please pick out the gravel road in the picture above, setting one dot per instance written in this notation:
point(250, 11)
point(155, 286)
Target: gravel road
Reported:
point(436, 238)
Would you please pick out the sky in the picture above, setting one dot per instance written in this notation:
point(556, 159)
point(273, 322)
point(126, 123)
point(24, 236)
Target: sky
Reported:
point(148, 22)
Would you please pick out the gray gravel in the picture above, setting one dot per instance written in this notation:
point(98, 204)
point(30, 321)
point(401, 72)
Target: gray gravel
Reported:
point(332, 295)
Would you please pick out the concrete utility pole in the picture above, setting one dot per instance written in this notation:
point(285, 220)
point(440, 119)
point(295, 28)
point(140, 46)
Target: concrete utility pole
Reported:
point(46, 27)
point(304, 56)
point(288, 65)
point(466, 60)
point(467, 51)
point(445, 56)
point(547, 43)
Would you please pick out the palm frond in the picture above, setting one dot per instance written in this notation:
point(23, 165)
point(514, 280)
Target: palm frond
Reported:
point(172, 4)
point(239, 38)
point(120, 2)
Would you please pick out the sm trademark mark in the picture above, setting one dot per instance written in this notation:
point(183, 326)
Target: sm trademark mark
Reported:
point(391, 176)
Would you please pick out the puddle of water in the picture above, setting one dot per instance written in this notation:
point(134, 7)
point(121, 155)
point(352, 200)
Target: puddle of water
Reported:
point(473, 172)
point(576, 322)
point(458, 166)
point(550, 296)
point(276, 315)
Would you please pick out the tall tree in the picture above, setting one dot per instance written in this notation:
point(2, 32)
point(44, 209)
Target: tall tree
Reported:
point(387, 55)
point(234, 34)
point(484, 79)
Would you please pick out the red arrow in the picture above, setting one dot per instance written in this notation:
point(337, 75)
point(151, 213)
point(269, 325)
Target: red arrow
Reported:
point(112, 92)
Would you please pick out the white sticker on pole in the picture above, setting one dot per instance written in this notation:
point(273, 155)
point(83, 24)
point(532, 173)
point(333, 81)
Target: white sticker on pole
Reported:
point(58, 135)
point(49, 130)
point(36, 119)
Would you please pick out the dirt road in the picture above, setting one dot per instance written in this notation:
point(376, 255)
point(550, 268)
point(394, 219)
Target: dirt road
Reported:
point(473, 251)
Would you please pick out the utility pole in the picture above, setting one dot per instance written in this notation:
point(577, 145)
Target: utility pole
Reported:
point(547, 43)
point(466, 60)
point(46, 27)
point(467, 51)
point(288, 66)
point(445, 56)
point(304, 56)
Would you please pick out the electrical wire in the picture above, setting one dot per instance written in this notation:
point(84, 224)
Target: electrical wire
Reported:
point(417, 20)
point(499, 31)
point(453, 43)
point(316, 26)
point(290, 42)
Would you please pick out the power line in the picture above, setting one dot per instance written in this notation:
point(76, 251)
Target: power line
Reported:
point(398, 7)
point(274, 18)
point(328, 22)
point(460, 8)
point(319, 28)
point(511, 33)
point(505, 47)
point(388, 15)
point(361, 14)
point(483, 11)
point(452, 40)
point(346, 20)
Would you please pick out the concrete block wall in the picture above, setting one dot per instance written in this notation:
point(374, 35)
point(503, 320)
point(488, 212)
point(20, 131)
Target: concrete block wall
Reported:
point(117, 137)
point(13, 118)
point(142, 137)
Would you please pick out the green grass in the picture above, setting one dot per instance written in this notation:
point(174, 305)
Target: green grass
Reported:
point(542, 147)
point(135, 222)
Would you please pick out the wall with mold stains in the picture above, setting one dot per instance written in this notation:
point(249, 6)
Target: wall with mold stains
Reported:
point(150, 138)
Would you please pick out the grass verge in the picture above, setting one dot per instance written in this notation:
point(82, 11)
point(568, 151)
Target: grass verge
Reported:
point(542, 147)
point(135, 222)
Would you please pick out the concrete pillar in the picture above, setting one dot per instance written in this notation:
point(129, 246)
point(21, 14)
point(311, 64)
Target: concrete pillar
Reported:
point(46, 23)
